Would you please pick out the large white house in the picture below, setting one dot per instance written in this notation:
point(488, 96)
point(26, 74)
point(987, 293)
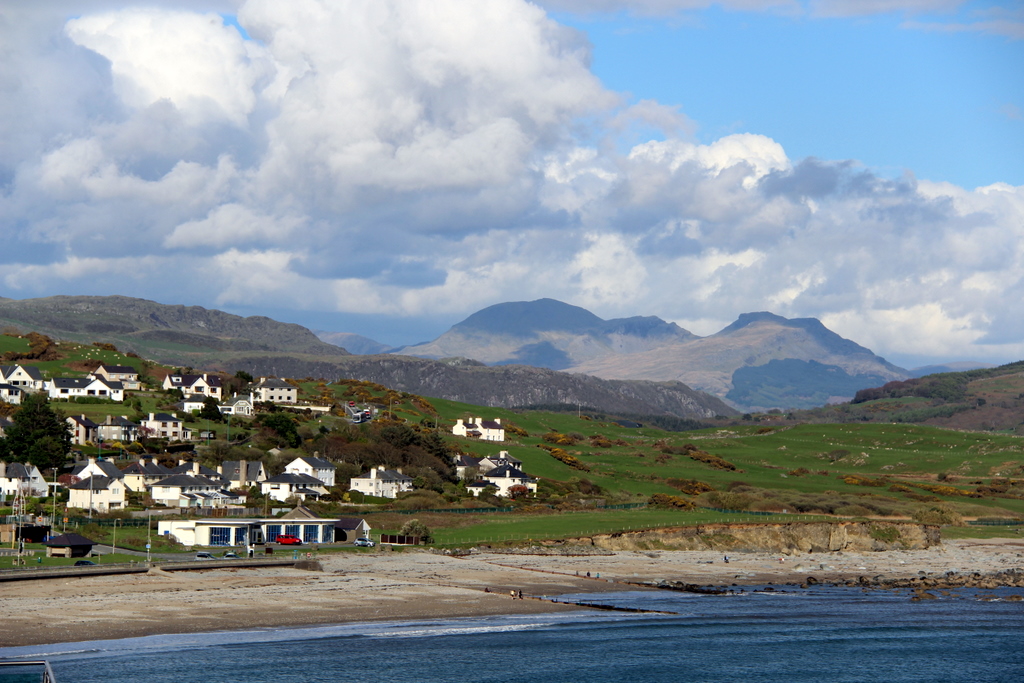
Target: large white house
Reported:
point(117, 428)
point(10, 394)
point(300, 522)
point(166, 426)
point(314, 467)
point(73, 387)
point(506, 476)
point(381, 482)
point(273, 390)
point(208, 385)
point(479, 428)
point(188, 491)
point(143, 473)
point(239, 404)
point(98, 493)
point(284, 486)
point(125, 374)
point(27, 377)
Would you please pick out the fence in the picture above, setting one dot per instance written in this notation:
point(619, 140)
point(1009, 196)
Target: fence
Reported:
point(996, 522)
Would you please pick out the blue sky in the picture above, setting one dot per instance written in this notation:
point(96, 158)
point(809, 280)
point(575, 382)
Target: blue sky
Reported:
point(388, 168)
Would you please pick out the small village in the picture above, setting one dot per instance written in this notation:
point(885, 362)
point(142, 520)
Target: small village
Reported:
point(162, 469)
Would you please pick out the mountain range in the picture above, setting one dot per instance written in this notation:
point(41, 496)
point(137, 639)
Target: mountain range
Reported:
point(760, 361)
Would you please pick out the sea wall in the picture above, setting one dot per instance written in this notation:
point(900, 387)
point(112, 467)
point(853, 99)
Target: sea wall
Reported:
point(790, 538)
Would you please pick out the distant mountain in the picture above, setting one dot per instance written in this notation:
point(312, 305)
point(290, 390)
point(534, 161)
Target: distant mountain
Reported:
point(749, 346)
point(961, 366)
point(353, 343)
point(175, 335)
point(546, 333)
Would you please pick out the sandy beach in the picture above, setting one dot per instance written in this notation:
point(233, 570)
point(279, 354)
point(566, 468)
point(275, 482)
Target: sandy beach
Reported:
point(417, 585)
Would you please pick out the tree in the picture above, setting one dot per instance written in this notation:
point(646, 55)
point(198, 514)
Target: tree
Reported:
point(39, 435)
point(210, 410)
point(415, 527)
point(284, 426)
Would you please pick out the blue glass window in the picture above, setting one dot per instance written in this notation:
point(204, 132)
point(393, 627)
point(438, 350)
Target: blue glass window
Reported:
point(241, 535)
point(311, 533)
point(293, 529)
point(328, 534)
point(220, 535)
point(273, 531)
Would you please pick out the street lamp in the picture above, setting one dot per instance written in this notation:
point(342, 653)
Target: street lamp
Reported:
point(113, 547)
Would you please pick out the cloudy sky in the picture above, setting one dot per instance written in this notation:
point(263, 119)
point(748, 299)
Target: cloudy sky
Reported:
point(388, 167)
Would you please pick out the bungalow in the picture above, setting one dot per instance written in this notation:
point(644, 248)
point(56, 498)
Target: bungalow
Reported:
point(239, 404)
point(299, 522)
point(193, 403)
point(73, 387)
point(314, 467)
point(274, 390)
point(478, 487)
point(381, 482)
point(69, 545)
point(284, 486)
point(165, 426)
point(21, 478)
point(479, 428)
point(209, 385)
point(10, 394)
point(188, 491)
point(117, 428)
point(82, 429)
point(125, 374)
point(143, 473)
point(28, 377)
point(252, 473)
point(506, 476)
point(98, 493)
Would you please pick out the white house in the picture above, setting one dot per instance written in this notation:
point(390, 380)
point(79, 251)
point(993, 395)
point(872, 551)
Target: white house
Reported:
point(23, 477)
point(273, 390)
point(208, 385)
point(284, 486)
point(221, 531)
point(187, 491)
point(506, 476)
point(314, 467)
point(350, 528)
point(381, 482)
point(479, 428)
point(166, 426)
point(502, 458)
point(125, 374)
point(10, 394)
point(98, 493)
point(239, 404)
point(27, 377)
point(73, 387)
point(466, 466)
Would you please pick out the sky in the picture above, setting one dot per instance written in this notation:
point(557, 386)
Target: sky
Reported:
point(388, 168)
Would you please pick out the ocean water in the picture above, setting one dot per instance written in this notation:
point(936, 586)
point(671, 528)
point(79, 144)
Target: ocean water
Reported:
point(819, 634)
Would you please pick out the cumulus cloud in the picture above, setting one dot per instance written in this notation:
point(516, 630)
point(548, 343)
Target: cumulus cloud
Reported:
point(413, 158)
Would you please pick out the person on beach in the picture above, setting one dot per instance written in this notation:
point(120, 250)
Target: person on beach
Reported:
point(520, 594)
point(513, 594)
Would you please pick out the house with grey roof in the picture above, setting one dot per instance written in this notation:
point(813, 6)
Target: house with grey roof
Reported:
point(274, 390)
point(242, 474)
point(11, 394)
point(97, 467)
point(82, 429)
point(117, 428)
point(166, 426)
point(188, 491)
point(239, 404)
point(506, 476)
point(314, 467)
point(125, 374)
point(18, 477)
point(144, 472)
point(205, 384)
point(348, 529)
point(68, 388)
point(382, 482)
point(284, 486)
point(101, 494)
point(26, 377)
point(479, 428)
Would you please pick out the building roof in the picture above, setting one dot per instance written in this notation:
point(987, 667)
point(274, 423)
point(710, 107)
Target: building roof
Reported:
point(229, 469)
point(184, 480)
point(349, 523)
point(272, 383)
point(119, 369)
point(30, 370)
point(481, 485)
point(189, 380)
point(68, 540)
point(96, 483)
point(317, 463)
point(163, 417)
point(506, 471)
point(148, 467)
point(18, 470)
point(83, 420)
point(83, 382)
point(467, 461)
point(108, 468)
point(385, 475)
point(296, 478)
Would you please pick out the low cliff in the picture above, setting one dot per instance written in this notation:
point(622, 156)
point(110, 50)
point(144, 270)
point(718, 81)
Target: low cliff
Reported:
point(776, 538)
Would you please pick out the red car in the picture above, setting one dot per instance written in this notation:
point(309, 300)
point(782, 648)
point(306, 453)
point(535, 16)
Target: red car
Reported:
point(287, 539)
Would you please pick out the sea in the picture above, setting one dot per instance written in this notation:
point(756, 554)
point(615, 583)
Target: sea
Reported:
point(830, 634)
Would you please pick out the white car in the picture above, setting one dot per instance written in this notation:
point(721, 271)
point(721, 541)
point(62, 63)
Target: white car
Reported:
point(363, 543)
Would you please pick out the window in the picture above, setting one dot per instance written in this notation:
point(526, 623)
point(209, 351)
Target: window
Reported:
point(328, 534)
point(273, 531)
point(311, 533)
point(220, 535)
point(293, 529)
point(241, 535)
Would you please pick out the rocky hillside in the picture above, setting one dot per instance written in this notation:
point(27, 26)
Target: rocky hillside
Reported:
point(175, 335)
point(509, 386)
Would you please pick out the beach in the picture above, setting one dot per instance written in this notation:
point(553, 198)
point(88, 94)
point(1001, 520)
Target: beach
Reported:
point(415, 584)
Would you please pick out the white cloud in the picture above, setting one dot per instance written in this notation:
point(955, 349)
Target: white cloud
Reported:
point(406, 157)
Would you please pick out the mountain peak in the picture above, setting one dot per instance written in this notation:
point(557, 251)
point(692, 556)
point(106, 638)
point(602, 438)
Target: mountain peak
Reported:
point(519, 317)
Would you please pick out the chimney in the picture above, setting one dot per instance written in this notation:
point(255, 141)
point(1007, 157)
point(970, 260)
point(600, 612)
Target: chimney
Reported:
point(497, 420)
point(243, 472)
point(152, 417)
point(220, 469)
point(195, 468)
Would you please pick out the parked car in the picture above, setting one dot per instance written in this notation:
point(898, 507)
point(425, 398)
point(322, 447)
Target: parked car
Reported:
point(288, 539)
point(85, 563)
point(363, 543)
point(231, 556)
point(204, 555)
